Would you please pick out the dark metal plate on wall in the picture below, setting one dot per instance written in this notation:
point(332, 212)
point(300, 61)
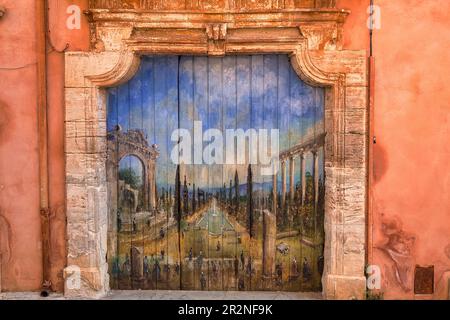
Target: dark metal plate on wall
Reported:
point(424, 280)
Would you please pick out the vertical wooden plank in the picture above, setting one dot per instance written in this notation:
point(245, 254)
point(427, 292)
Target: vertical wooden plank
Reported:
point(259, 188)
point(295, 138)
point(270, 121)
point(113, 235)
point(283, 101)
point(318, 214)
point(172, 123)
point(201, 99)
point(215, 170)
point(187, 118)
point(228, 250)
point(125, 244)
point(136, 123)
point(229, 93)
point(167, 110)
point(155, 121)
point(148, 118)
point(162, 167)
point(283, 111)
point(243, 121)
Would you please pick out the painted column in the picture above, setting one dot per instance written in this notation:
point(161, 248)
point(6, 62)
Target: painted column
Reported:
point(146, 187)
point(269, 243)
point(303, 174)
point(152, 180)
point(283, 184)
point(274, 194)
point(291, 179)
point(316, 178)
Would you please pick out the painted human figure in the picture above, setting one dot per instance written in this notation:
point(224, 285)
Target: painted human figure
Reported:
point(134, 225)
point(161, 233)
point(152, 259)
point(157, 270)
point(218, 247)
point(119, 221)
point(249, 266)
point(200, 260)
point(242, 260)
point(167, 271)
point(307, 273)
point(203, 281)
point(116, 267)
point(279, 273)
point(163, 253)
point(190, 254)
point(146, 267)
point(294, 266)
point(214, 269)
point(126, 267)
point(177, 268)
point(236, 266)
point(241, 284)
point(320, 264)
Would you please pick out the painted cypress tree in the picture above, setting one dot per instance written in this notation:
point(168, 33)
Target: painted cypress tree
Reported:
point(236, 193)
point(164, 197)
point(224, 193)
point(250, 201)
point(185, 197)
point(230, 194)
point(178, 197)
point(194, 204)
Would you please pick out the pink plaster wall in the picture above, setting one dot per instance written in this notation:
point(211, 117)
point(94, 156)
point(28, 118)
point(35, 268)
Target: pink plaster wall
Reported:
point(412, 155)
point(20, 241)
point(411, 189)
point(19, 176)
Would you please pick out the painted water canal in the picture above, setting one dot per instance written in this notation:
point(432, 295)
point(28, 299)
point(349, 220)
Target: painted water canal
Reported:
point(215, 221)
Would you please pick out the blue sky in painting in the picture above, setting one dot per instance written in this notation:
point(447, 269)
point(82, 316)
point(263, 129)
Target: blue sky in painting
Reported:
point(225, 93)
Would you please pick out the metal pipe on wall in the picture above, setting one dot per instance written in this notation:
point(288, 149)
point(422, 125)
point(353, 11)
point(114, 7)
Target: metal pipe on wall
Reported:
point(41, 53)
point(371, 142)
point(1, 265)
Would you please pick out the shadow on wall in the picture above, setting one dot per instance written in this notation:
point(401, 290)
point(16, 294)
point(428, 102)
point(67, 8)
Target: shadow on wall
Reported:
point(380, 161)
point(5, 122)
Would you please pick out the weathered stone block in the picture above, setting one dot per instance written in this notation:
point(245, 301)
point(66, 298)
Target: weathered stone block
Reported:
point(85, 145)
point(341, 287)
point(354, 156)
point(356, 98)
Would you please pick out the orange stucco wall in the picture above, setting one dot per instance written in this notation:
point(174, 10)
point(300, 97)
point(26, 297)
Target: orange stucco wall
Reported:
point(411, 191)
point(19, 169)
point(411, 203)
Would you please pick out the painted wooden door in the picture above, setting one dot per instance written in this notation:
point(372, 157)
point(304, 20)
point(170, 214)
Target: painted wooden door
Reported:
point(198, 208)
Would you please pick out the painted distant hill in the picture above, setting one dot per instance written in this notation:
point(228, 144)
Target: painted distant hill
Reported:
point(257, 187)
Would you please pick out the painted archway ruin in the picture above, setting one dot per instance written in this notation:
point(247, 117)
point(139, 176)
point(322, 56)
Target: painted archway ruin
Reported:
point(121, 31)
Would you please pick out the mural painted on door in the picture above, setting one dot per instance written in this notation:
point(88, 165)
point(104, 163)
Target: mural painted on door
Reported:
point(201, 226)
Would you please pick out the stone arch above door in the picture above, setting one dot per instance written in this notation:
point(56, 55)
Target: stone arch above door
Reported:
point(312, 38)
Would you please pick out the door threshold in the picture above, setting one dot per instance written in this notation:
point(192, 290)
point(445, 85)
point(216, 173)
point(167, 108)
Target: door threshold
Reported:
point(210, 295)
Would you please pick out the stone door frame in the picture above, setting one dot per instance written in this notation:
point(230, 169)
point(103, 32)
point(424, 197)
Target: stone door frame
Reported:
point(312, 39)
